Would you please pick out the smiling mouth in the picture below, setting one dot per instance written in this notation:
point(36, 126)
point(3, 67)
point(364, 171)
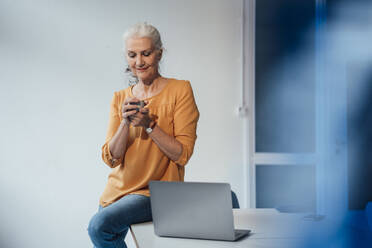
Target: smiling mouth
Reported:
point(141, 69)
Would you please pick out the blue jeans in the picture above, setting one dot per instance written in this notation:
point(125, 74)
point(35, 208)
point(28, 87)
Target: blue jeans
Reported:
point(109, 226)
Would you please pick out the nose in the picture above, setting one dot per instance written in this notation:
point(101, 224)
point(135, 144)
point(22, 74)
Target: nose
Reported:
point(139, 61)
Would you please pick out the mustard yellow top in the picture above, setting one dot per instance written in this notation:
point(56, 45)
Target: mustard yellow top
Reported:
point(176, 113)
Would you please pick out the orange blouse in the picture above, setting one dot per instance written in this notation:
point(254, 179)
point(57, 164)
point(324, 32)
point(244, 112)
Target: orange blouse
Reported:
point(176, 113)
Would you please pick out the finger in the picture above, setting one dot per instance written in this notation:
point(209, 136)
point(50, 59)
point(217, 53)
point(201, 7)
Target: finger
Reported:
point(144, 110)
point(127, 108)
point(141, 115)
point(129, 113)
point(134, 122)
point(133, 100)
point(136, 117)
point(129, 100)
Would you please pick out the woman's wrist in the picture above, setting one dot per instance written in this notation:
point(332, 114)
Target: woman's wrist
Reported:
point(150, 127)
point(150, 124)
point(125, 123)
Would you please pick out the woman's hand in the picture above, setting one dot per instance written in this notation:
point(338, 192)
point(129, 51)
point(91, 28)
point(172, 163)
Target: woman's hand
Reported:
point(133, 114)
point(142, 118)
point(129, 110)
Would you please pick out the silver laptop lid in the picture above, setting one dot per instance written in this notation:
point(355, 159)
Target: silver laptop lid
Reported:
point(192, 210)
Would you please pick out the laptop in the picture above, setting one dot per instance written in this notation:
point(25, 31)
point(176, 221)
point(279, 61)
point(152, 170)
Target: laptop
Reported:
point(193, 210)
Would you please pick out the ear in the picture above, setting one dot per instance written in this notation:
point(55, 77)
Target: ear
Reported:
point(160, 54)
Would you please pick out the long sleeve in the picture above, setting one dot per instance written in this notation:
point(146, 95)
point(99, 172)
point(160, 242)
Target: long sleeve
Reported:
point(176, 113)
point(186, 116)
point(114, 122)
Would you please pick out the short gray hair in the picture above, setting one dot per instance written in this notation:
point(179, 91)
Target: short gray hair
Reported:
point(143, 29)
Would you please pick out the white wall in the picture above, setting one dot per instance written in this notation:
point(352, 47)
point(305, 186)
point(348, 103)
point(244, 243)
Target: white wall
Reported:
point(60, 62)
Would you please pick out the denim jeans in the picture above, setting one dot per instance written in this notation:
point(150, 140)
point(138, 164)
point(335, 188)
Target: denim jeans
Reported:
point(109, 226)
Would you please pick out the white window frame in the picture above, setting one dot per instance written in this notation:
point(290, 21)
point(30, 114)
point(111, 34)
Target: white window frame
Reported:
point(253, 159)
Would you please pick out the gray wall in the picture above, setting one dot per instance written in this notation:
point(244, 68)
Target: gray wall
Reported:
point(60, 62)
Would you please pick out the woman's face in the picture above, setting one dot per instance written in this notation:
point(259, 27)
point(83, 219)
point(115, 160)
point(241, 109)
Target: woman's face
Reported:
point(142, 58)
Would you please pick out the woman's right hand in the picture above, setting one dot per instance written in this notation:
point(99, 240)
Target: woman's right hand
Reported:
point(129, 109)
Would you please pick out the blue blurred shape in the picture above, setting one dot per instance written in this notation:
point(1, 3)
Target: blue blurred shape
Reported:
point(369, 215)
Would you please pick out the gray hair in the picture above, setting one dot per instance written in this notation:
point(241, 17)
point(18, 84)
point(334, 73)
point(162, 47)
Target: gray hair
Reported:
point(141, 30)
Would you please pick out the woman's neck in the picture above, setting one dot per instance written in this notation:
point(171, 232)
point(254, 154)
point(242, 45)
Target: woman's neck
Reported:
point(149, 86)
point(150, 80)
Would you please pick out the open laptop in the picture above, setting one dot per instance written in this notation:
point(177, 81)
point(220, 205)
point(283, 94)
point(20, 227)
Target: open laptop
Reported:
point(193, 210)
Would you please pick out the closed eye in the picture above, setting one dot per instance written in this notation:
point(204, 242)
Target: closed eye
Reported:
point(146, 53)
point(131, 55)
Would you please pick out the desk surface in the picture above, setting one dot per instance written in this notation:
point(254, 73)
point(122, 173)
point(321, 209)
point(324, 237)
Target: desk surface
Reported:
point(269, 228)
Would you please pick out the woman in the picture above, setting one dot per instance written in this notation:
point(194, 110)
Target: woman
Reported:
point(143, 143)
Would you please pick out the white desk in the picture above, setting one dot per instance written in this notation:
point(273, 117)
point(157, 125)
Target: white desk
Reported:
point(269, 229)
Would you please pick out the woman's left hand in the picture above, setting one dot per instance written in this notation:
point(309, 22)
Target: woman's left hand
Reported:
point(141, 119)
